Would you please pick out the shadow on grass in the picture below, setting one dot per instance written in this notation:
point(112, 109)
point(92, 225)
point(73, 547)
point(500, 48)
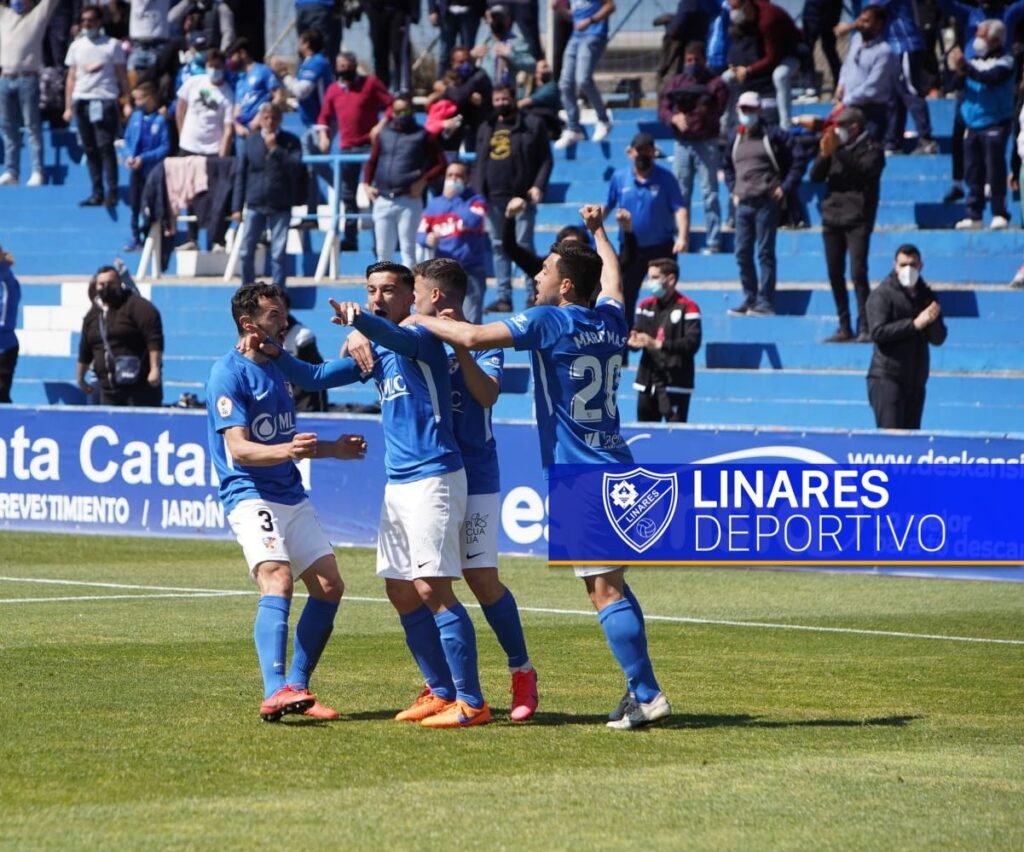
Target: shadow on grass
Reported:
point(692, 721)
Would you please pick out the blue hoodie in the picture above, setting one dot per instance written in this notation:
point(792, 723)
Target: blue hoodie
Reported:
point(10, 297)
point(147, 137)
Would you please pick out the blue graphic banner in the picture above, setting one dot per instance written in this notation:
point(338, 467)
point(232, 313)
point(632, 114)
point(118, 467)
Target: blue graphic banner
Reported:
point(786, 514)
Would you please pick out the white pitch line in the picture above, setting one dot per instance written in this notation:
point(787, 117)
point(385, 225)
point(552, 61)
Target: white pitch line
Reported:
point(671, 619)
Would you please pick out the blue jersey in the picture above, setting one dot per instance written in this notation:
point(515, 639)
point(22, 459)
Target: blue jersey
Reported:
point(587, 9)
point(241, 392)
point(415, 396)
point(317, 73)
point(652, 202)
point(577, 362)
point(252, 90)
point(473, 423)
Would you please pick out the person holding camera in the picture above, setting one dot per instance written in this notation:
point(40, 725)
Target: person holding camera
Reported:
point(123, 341)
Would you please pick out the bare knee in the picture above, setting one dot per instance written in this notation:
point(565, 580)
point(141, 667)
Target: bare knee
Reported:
point(605, 589)
point(323, 580)
point(436, 592)
point(403, 596)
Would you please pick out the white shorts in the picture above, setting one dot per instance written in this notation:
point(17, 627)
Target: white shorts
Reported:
point(596, 570)
point(420, 526)
point(274, 532)
point(480, 531)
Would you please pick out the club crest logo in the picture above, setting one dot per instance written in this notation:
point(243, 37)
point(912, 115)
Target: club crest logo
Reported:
point(640, 505)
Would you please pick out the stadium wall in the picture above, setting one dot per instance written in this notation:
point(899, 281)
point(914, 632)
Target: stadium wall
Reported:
point(130, 471)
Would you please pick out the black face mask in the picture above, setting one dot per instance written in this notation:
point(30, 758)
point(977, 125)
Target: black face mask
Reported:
point(547, 77)
point(111, 294)
point(506, 110)
point(404, 122)
point(643, 162)
point(348, 75)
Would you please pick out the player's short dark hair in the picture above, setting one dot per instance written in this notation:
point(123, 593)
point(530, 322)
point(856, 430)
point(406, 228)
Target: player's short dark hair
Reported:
point(461, 163)
point(581, 265)
point(402, 273)
point(447, 274)
point(314, 38)
point(573, 232)
point(503, 87)
point(908, 249)
point(240, 43)
point(246, 301)
point(665, 265)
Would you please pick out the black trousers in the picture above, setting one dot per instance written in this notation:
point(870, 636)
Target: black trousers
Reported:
point(389, 34)
point(655, 407)
point(322, 19)
point(8, 361)
point(856, 241)
point(896, 406)
point(98, 144)
point(633, 274)
point(957, 139)
point(136, 182)
point(141, 394)
point(350, 175)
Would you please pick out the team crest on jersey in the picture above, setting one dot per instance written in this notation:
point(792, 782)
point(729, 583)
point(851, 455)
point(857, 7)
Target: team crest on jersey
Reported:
point(224, 406)
point(269, 542)
point(519, 321)
point(640, 505)
point(475, 526)
point(675, 316)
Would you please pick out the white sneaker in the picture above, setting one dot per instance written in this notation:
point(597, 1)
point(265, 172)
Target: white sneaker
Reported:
point(36, 179)
point(568, 137)
point(969, 225)
point(601, 131)
point(637, 715)
point(1017, 282)
point(999, 223)
point(8, 179)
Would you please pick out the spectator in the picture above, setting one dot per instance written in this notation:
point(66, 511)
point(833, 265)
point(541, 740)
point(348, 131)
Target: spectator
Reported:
point(689, 23)
point(458, 22)
point(404, 159)
point(147, 141)
point(300, 342)
point(544, 100)
point(468, 89)
point(149, 29)
point(762, 54)
point(123, 340)
point(454, 225)
point(96, 79)
point(692, 104)
point(255, 86)
point(352, 105)
point(759, 171)
point(318, 15)
point(504, 53)
point(389, 34)
point(819, 19)
point(659, 215)
point(586, 46)
point(987, 113)
point(513, 161)
point(57, 34)
point(525, 15)
point(266, 177)
point(868, 77)
point(850, 162)
point(561, 31)
point(313, 77)
point(21, 46)
point(667, 330)
point(10, 298)
point(904, 318)
point(219, 24)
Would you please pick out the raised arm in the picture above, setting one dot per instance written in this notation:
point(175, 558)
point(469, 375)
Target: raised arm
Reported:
point(611, 275)
point(330, 374)
point(494, 335)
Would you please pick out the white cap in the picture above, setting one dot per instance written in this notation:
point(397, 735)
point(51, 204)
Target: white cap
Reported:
point(751, 100)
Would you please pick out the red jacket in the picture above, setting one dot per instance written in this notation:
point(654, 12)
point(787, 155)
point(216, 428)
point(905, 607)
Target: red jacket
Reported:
point(354, 109)
point(779, 36)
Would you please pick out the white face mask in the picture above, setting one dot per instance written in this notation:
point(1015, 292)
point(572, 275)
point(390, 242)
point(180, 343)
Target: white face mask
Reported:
point(748, 119)
point(843, 135)
point(908, 275)
point(654, 286)
point(737, 16)
point(980, 46)
point(456, 187)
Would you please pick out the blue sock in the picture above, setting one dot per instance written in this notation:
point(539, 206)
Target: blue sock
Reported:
point(311, 635)
point(270, 633)
point(624, 631)
point(424, 640)
point(628, 593)
point(459, 642)
point(503, 616)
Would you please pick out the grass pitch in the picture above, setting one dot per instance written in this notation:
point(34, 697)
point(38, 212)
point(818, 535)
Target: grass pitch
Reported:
point(129, 715)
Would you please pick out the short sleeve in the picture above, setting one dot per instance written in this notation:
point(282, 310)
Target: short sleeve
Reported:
point(536, 328)
point(185, 89)
point(492, 362)
point(227, 399)
point(71, 59)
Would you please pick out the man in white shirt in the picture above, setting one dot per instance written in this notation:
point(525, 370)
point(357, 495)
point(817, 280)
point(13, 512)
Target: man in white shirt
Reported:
point(96, 79)
point(206, 105)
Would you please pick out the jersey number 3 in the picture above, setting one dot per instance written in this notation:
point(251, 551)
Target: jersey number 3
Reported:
point(598, 377)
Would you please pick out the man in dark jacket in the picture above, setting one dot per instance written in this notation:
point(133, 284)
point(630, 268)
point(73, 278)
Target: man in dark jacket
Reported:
point(667, 329)
point(904, 318)
point(513, 160)
point(850, 162)
point(692, 104)
point(268, 175)
point(759, 170)
point(390, 21)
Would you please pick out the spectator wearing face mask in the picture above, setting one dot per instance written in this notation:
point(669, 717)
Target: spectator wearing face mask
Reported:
point(454, 225)
point(904, 319)
point(465, 92)
point(987, 113)
point(544, 100)
point(869, 74)
point(504, 52)
point(851, 163)
point(255, 86)
point(403, 161)
point(458, 22)
point(760, 170)
point(147, 141)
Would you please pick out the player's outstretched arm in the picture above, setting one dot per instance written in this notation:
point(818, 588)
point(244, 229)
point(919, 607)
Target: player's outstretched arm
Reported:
point(611, 274)
point(244, 451)
point(401, 340)
point(493, 335)
point(330, 374)
point(344, 448)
